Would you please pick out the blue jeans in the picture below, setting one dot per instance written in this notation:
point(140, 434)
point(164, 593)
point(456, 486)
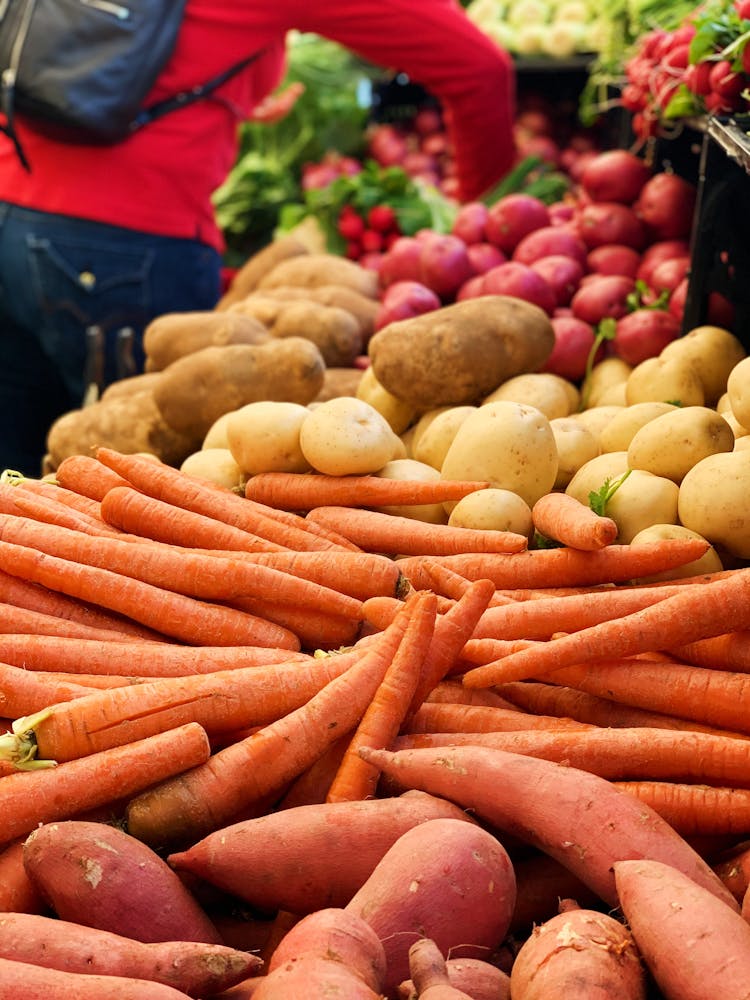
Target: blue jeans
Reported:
point(75, 297)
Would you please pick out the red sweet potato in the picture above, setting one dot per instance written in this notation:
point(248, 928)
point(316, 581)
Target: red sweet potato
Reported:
point(578, 953)
point(429, 973)
point(33, 982)
point(445, 879)
point(694, 945)
point(576, 817)
point(98, 875)
point(195, 968)
point(479, 979)
point(308, 857)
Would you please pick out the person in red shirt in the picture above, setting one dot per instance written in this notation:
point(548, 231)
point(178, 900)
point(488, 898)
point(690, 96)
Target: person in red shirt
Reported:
point(95, 241)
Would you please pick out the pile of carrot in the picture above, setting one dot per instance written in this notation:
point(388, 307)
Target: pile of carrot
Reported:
point(184, 657)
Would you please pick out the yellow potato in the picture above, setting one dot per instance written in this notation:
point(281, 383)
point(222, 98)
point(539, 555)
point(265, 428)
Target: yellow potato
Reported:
point(217, 465)
point(345, 435)
point(575, 445)
point(508, 445)
point(713, 501)
point(671, 444)
point(436, 438)
point(713, 351)
point(216, 436)
point(592, 475)
point(709, 562)
point(265, 437)
point(618, 433)
point(609, 372)
point(596, 418)
point(643, 499)
point(738, 391)
point(612, 395)
point(545, 391)
point(409, 469)
point(397, 412)
point(493, 510)
point(667, 379)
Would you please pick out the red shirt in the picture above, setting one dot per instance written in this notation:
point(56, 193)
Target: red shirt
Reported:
point(161, 179)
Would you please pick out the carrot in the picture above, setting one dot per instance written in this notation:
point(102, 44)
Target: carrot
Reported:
point(49, 794)
point(693, 613)
point(24, 692)
point(203, 576)
point(108, 658)
point(303, 491)
point(18, 894)
point(46, 511)
point(82, 679)
point(694, 809)
point(577, 818)
point(567, 567)
point(315, 628)
point(69, 498)
point(393, 534)
point(486, 650)
point(208, 796)
point(383, 717)
point(732, 867)
point(443, 717)
point(455, 693)
point(554, 699)
point(85, 475)
point(181, 617)
point(566, 520)
point(198, 496)
point(35, 597)
point(19, 620)
point(730, 651)
point(221, 702)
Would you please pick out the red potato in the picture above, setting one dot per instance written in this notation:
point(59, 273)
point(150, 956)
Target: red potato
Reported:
point(445, 265)
point(602, 296)
point(561, 212)
point(484, 256)
point(520, 282)
point(479, 979)
point(404, 299)
point(258, 860)
point(100, 876)
point(563, 274)
point(615, 175)
point(657, 253)
point(33, 982)
point(402, 261)
point(614, 258)
point(605, 222)
point(550, 240)
point(445, 879)
point(574, 339)
point(577, 818)
point(665, 206)
point(470, 221)
point(694, 946)
point(643, 334)
point(471, 289)
point(512, 217)
point(195, 968)
point(667, 275)
point(578, 952)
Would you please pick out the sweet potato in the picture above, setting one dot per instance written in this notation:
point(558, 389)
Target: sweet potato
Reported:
point(195, 968)
point(174, 335)
point(578, 953)
point(429, 973)
point(33, 982)
point(17, 892)
point(694, 945)
point(248, 276)
point(456, 355)
point(480, 979)
point(197, 389)
point(308, 857)
point(445, 879)
point(100, 876)
point(577, 818)
point(314, 269)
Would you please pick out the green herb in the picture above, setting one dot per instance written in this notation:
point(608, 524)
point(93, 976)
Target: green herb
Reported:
point(605, 330)
point(598, 499)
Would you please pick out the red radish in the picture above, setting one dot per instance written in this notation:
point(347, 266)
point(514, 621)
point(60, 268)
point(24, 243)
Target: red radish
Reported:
point(573, 342)
point(484, 256)
point(610, 222)
point(743, 9)
point(471, 289)
point(666, 205)
point(521, 282)
point(616, 175)
point(350, 224)
point(697, 78)
point(563, 274)
point(602, 297)
point(725, 81)
point(371, 241)
point(402, 262)
point(643, 333)
point(614, 258)
point(667, 275)
point(470, 221)
point(547, 241)
point(426, 121)
point(445, 265)
point(512, 217)
point(404, 299)
point(658, 252)
point(387, 146)
point(381, 218)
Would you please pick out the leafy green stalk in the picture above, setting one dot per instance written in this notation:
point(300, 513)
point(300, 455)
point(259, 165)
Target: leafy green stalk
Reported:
point(598, 499)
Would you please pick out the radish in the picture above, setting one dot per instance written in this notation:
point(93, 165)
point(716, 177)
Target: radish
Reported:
point(470, 221)
point(521, 282)
point(665, 206)
point(514, 216)
point(547, 241)
point(610, 222)
point(615, 175)
point(563, 274)
point(573, 342)
point(643, 334)
point(614, 258)
point(445, 265)
point(601, 297)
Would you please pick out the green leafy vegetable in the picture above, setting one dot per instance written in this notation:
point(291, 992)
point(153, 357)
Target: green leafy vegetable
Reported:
point(598, 499)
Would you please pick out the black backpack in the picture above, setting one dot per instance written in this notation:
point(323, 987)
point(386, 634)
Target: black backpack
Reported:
point(80, 70)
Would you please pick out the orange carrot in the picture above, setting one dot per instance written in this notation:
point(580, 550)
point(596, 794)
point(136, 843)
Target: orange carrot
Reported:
point(174, 487)
point(383, 717)
point(18, 894)
point(311, 786)
point(443, 717)
point(47, 511)
point(564, 519)
point(455, 693)
point(113, 657)
point(303, 491)
point(90, 681)
point(208, 796)
point(694, 809)
point(730, 651)
point(566, 567)
point(191, 573)
point(43, 796)
point(85, 506)
point(486, 650)
point(181, 617)
point(221, 702)
point(14, 619)
point(696, 612)
point(85, 475)
point(23, 692)
point(393, 534)
point(315, 628)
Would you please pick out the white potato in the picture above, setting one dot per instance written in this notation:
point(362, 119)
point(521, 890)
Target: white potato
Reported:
point(436, 438)
point(544, 390)
point(618, 433)
point(411, 470)
point(592, 475)
point(713, 351)
point(738, 391)
point(508, 445)
point(714, 501)
point(612, 395)
point(643, 499)
point(344, 436)
point(575, 445)
point(216, 435)
point(493, 510)
point(217, 465)
point(397, 412)
point(265, 437)
point(671, 444)
point(667, 379)
point(709, 562)
point(607, 373)
point(597, 418)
